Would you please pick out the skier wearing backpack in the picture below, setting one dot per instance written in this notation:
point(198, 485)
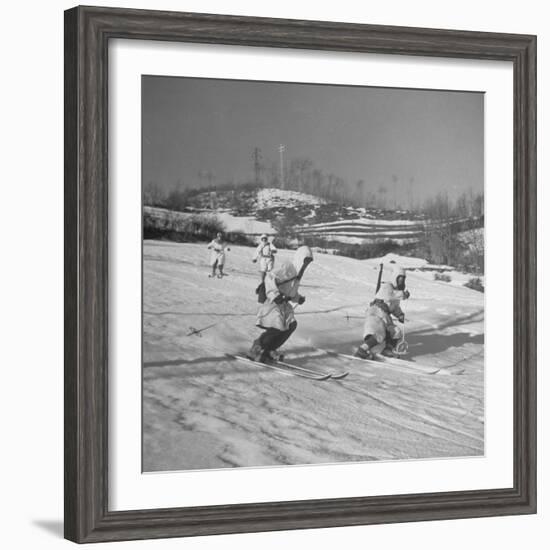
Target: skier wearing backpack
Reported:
point(276, 314)
point(380, 333)
point(265, 254)
point(217, 256)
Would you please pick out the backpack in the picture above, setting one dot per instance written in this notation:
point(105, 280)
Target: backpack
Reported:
point(260, 291)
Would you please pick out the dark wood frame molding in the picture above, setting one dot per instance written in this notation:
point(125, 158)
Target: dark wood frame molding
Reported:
point(87, 34)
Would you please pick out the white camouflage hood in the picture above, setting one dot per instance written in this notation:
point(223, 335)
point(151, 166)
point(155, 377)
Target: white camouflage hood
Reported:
point(399, 272)
point(290, 269)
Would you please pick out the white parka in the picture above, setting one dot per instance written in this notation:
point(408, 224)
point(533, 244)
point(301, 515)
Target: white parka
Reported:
point(218, 252)
point(282, 281)
point(378, 321)
point(265, 253)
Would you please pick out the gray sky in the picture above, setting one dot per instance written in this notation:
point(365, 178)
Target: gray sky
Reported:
point(380, 135)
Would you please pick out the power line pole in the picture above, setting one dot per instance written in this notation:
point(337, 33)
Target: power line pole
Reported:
point(210, 177)
point(282, 165)
point(257, 165)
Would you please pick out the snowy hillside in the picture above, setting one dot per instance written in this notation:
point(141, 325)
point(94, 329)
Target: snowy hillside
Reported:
point(422, 268)
point(244, 224)
point(362, 230)
point(367, 229)
point(274, 198)
point(204, 410)
point(298, 217)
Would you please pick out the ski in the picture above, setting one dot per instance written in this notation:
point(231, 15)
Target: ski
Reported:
point(333, 375)
point(408, 365)
point(381, 360)
point(452, 371)
point(293, 371)
point(404, 363)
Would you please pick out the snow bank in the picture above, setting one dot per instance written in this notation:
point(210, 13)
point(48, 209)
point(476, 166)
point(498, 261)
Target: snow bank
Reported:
point(272, 197)
point(405, 262)
point(245, 224)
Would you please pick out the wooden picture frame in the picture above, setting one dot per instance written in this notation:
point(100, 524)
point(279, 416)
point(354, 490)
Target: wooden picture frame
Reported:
point(87, 34)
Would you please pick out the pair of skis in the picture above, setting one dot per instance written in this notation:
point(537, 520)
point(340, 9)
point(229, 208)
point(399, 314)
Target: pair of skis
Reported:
point(291, 369)
point(402, 364)
point(380, 361)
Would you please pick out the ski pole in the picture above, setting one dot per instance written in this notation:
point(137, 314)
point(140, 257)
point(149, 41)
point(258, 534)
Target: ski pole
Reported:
point(379, 282)
point(402, 346)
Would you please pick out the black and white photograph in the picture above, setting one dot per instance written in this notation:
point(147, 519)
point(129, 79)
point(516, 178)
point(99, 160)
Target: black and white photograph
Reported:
point(313, 273)
point(273, 275)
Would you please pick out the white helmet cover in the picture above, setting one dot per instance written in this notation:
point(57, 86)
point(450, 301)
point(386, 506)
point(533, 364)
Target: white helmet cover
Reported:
point(399, 271)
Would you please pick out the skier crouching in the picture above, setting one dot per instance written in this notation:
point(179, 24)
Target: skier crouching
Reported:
point(380, 333)
point(276, 314)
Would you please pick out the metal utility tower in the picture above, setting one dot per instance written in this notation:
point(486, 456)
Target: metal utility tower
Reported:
point(282, 165)
point(257, 165)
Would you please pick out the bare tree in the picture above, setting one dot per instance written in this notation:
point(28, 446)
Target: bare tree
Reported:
point(153, 194)
point(382, 192)
point(360, 192)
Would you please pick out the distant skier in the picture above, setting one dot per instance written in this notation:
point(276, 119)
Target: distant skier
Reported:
point(380, 333)
point(276, 314)
point(217, 256)
point(265, 253)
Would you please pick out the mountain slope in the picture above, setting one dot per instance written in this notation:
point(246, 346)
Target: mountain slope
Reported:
point(202, 410)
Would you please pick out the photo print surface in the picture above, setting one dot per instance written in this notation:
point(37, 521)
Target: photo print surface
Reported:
point(313, 274)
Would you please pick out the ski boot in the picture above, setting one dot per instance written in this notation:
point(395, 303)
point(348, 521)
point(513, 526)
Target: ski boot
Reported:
point(364, 352)
point(388, 351)
point(256, 352)
point(275, 355)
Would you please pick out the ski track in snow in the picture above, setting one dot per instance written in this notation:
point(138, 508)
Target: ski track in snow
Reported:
point(202, 410)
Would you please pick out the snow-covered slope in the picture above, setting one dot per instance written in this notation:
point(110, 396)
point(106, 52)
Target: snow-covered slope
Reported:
point(304, 216)
point(422, 269)
point(273, 197)
point(203, 410)
point(243, 224)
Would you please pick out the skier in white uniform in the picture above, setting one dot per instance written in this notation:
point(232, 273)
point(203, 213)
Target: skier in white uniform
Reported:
point(217, 256)
point(265, 254)
point(276, 314)
point(380, 333)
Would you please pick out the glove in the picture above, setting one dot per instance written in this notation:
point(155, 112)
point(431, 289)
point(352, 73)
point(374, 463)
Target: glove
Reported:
point(380, 304)
point(401, 318)
point(279, 299)
point(406, 294)
point(301, 300)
